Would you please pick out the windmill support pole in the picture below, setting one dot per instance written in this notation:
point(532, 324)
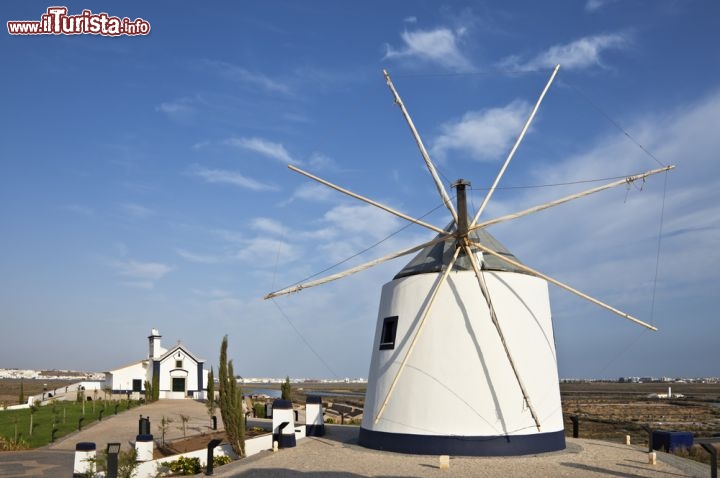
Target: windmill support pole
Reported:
point(557, 202)
point(367, 200)
point(423, 151)
point(361, 267)
point(496, 323)
point(563, 286)
point(423, 320)
point(515, 147)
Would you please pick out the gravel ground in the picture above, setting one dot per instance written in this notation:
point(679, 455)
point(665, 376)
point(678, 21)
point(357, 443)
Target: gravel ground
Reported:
point(338, 455)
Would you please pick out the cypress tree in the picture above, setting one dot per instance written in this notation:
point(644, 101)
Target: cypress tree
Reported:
point(211, 403)
point(155, 388)
point(231, 402)
point(286, 389)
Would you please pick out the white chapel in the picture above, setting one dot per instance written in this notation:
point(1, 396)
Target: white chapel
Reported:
point(180, 374)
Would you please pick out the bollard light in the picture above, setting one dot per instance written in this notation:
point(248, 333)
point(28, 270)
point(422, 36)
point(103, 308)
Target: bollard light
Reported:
point(211, 446)
point(112, 451)
point(576, 425)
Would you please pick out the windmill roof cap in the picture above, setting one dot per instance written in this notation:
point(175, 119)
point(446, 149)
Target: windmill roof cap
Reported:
point(435, 258)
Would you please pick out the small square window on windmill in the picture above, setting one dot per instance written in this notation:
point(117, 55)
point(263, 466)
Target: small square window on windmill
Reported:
point(408, 376)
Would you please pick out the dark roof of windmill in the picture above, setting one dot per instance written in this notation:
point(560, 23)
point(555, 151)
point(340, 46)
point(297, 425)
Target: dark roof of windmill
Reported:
point(436, 258)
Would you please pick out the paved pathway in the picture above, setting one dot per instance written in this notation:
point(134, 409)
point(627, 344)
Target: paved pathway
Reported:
point(57, 459)
point(123, 427)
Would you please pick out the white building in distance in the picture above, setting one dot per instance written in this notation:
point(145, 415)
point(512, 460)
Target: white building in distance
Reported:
point(178, 372)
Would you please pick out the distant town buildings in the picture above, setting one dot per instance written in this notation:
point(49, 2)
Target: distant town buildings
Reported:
point(50, 374)
point(260, 380)
point(74, 374)
point(643, 380)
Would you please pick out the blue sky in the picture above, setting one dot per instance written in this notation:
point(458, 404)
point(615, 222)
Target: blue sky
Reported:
point(144, 180)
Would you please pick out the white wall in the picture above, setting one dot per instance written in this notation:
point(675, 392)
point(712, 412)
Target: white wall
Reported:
point(122, 378)
point(458, 380)
point(188, 371)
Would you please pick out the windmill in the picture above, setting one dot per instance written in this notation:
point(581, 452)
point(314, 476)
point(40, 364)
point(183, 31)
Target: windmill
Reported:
point(463, 359)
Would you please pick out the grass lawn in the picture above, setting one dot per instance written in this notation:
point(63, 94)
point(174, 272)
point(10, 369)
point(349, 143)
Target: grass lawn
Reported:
point(61, 416)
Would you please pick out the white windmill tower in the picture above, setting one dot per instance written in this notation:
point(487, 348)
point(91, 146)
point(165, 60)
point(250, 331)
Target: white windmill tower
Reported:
point(463, 358)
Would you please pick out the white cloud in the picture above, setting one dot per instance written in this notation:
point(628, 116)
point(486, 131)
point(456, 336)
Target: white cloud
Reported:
point(483, 135)
point(178, 108)
point(314, 192)
point(199, 258)
point(410, 19)
point(231, 177)
point(264, 147)
point(594, 5)
point(321, 161)
point(579, 54)
point(606, 244)
point(142, 270)
point(271, 226)
point(250, 78)
point(266, 252)
point(136, 210)
point(364, 220)
point(79, 209)
point(439, 46)
point(140, 275)
point(213, 293)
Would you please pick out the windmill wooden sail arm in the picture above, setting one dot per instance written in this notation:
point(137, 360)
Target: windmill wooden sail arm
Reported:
point(496, 323)
point(515, 147)
point(426, 157)
point(361, 267)
point(367, 200)
point(418, 333)
point(557, 202)
point(563, 286)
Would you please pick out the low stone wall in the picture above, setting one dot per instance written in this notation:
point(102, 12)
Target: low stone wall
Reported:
point(253, 446)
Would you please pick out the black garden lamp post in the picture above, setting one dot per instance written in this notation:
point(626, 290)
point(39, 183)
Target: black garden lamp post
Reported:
point(112, 451)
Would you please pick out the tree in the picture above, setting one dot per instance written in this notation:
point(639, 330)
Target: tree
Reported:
point(164, 426)
point(184, 419)
point(33, 408)
point(148, 391)
point(155, 387)
point(286, 389)
point(211, 403)
point(231, 402)
point(127, 463)
point(21, 398)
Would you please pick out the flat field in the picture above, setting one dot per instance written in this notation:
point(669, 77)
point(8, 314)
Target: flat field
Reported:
point(613, 410)
point(10, 388)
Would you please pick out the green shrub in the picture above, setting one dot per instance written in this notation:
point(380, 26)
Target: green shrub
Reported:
point(184, 466)
point(13, 444)
point(259, 409)
point(329, 420)
point(221, 460)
